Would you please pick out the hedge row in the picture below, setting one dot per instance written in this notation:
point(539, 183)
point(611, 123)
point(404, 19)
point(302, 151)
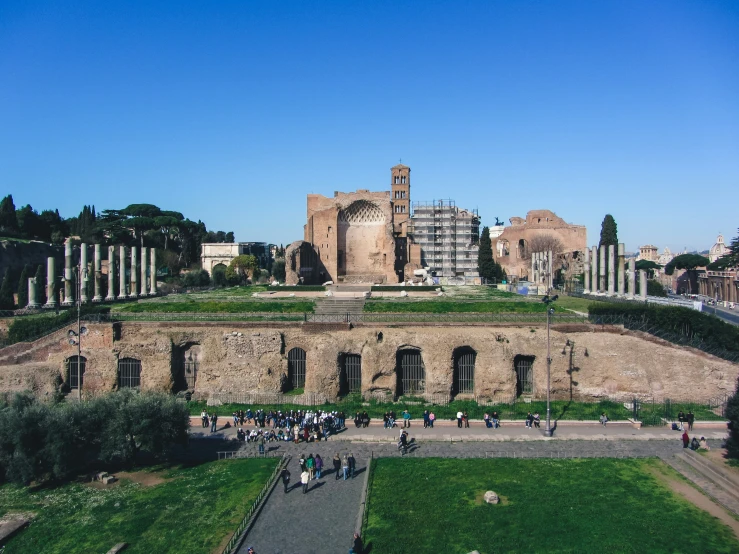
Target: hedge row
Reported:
point(714, 332)
point(32, 327)
point(298, 288)
point(396, 288)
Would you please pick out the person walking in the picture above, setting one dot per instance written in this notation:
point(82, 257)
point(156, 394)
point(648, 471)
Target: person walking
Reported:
point(310, 466)
point(260, 443)
point(459, 419)
point(357, 545)
point(466, 419)
point(345, 466)
point(406, 419)
point(304, 479)
point(285, 478)
point(352, 464)
point(425, 419)
point(337, 466)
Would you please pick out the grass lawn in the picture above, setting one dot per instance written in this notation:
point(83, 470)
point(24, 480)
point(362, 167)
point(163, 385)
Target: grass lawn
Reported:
point(576, 304)
point(443, 306)
point(586, 505)
point(212, 306)
point(190, 510)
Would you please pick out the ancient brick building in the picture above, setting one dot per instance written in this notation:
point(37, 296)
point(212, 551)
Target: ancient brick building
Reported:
point(355, 237)
point(512, 248)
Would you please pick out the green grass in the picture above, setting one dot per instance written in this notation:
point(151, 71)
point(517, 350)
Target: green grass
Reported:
point(446, 306)
point(192, 512)
point(593, 505)
point(576, 304)
point(193, 306)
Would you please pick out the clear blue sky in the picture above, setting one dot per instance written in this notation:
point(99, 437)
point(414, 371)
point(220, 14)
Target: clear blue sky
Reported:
point(231, 112)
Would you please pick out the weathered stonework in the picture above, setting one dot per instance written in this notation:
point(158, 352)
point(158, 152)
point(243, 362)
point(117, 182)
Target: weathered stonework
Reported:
point(243, 357)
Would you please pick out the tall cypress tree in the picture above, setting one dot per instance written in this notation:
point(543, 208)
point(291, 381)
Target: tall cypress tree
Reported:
point(40, 285)
point(23, 287)
point(487, 267)
point(608, 231)
point(6, 293)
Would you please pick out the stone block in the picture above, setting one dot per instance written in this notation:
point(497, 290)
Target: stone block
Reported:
point(491, 498)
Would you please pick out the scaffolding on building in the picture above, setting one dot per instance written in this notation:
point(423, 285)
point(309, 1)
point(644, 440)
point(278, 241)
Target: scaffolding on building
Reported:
point(448, 236)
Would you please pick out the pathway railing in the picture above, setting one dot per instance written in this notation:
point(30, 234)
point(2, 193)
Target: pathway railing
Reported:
point(243, 528)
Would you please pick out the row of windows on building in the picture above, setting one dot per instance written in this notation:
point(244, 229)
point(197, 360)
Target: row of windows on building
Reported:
point(399, 194)
point(410, 371)
point(400, 179)
point(400, 209)
point(129, 372)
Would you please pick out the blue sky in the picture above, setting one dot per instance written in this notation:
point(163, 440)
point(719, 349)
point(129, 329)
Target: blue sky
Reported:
point(231, 112)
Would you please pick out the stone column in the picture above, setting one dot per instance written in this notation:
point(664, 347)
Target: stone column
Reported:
point(50, 284)
point(32, 294)
point(550, 268)
point(621, 276)
point(144, 269)
point(602, 269)
point(632, 278)
point(122, 292)
point(594, 269)
point(83, 276)
point(611, 270)
point(98, 269)
point(586, 272)
point(111, 274)
point(134, 273)
point(153, 272)
point(68, 299)
point(643, 284)
point(533, 267)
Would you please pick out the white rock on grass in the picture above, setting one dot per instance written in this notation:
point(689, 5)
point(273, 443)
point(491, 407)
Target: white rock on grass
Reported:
point(491, 498)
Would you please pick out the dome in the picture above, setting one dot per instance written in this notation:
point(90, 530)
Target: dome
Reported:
point(717, 250)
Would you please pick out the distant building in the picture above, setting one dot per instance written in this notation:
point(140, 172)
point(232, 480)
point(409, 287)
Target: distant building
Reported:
point(214, 254)
point(648, 252)
point(718, 250)
point(449, 237)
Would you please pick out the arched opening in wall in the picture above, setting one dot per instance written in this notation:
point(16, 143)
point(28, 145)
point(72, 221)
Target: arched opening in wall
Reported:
point(504, 248)
point(75, 371)
point(185, 366)
point(295, 370)
point(463, 376)
point(522, 249)
point(219, 267)
point(129, 373)
point(410, 372)
point(524, 368)
point(350, 373)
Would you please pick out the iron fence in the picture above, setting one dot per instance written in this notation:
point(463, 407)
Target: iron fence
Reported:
point(243, 528)
point(261, 398)
point(454, 317)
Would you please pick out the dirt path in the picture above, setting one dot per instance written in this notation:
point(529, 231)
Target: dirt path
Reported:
point(696, 497)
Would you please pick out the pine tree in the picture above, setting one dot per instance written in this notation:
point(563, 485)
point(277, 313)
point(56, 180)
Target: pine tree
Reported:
point(6, 293)
point(40, 285)
point(23, 287)
point(8, 219)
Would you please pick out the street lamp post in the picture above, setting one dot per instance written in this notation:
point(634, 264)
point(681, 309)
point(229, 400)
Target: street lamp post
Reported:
point(548, 301)
point(76, 338)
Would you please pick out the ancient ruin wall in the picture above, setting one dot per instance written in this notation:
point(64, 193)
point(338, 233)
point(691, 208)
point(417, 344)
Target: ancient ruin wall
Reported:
point(251, 357)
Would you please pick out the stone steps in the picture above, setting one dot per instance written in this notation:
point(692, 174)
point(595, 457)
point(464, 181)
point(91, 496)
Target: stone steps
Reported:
point(714, 472)
point(334, 305)
point(22, 352)
point(705, 480)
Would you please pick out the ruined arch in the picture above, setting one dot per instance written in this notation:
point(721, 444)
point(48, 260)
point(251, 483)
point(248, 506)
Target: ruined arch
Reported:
point(360, 239)
point(72, 377)
point(350, 373)
point(410, 371)
point(463, 372)
point(296, 362)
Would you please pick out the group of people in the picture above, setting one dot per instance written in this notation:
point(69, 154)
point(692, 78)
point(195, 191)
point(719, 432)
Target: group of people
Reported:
point(532, 420)
point(684, 418)
point(694, 444)
point(311, 467)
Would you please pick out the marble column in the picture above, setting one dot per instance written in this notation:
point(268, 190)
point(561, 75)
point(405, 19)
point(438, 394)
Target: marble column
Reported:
point(632, 278)
point(83, 276)
point(98, 269)
point(153, 271)
point(602, 269)
point(144, 269)
point(533, 267)
point(621, 277)
point(50, 284)
point(611, 270)
point(550, 267)
point(32, 293)
point(68, 299)
point(643, 284)
point(111, 274)
point(586, 272)
point(594, 269)
point(122, 292)
point(134, 272)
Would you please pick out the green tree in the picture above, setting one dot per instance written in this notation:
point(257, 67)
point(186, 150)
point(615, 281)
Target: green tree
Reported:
point(219, 278)
point(278, 269)
point(29, 223)
point(6, 292)
point(487, 267)
point(23, 287)
point(41, 285)
point(648, 266)
point(690, 263)
point(732, 414)
point(8, 219)
point(608, 231)
point(244, 266)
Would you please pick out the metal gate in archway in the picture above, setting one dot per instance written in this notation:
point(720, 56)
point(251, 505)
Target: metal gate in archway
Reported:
point(129, 373)
point(411, 373)
point(296, 368)
point(191, 372)
point(75, 375)
point(351, 373)
point(464, 371)
point(524, 367)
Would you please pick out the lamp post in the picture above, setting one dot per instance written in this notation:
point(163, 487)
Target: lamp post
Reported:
point(548, 301)
point(76, 337)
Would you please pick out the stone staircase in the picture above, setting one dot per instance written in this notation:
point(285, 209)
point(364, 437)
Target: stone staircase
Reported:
point(38, 350)
point(719, 483)
point(338, 305)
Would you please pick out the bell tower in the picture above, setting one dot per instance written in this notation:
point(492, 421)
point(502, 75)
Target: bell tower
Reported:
point(400, 196)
